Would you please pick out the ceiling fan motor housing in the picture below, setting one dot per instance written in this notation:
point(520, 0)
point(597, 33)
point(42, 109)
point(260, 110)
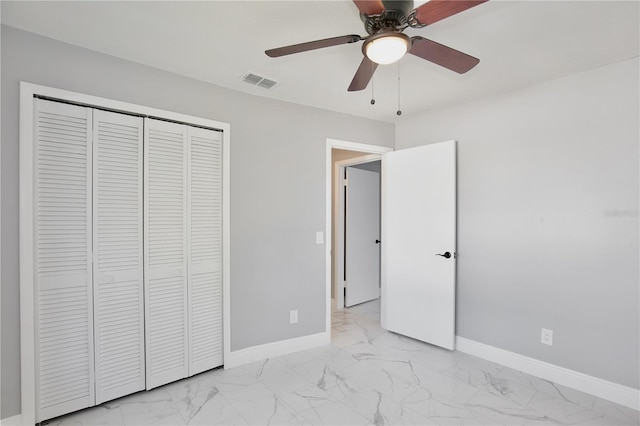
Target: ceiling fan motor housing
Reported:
point(394, 15)
point(395, 19)
point(402, 6)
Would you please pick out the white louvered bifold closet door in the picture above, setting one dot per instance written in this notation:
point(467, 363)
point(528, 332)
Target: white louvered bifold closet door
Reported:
point(165, 201)
point(62, 255)
point(205, 249)
point(118, 255)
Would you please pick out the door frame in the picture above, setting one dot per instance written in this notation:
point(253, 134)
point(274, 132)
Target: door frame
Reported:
point(332, 144)
point(340, 220)
point(28, 92)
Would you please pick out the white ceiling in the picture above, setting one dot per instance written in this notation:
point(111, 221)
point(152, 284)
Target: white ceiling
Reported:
point(519, 43)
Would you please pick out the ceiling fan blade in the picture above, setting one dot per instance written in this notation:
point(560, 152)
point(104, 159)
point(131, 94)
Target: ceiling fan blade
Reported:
point(312, 45)
point(442, 55)
point(436, 10)
point(370, 7)
point(363, 75)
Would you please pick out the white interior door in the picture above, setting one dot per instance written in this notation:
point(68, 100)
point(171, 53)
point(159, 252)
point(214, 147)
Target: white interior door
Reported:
point(205, 249)
point(165, 202)
point(362, 231)
point(117, 249)
point(419, 243)
point(62, 255)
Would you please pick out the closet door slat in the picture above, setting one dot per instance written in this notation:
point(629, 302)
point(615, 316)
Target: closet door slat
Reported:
point(165, 200)
point(63, 270)
point(118, 254)
point(205, 249)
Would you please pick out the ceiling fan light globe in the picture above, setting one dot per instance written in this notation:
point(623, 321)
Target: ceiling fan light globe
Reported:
point(387, 49)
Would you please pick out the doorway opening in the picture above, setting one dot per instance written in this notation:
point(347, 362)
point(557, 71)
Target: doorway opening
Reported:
point(343, 156)
point(418, 241)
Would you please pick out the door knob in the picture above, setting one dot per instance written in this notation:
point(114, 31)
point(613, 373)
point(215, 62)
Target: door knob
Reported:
point(446, 254)
point(377, 241)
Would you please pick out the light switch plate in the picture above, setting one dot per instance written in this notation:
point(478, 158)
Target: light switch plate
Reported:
point(319, 237)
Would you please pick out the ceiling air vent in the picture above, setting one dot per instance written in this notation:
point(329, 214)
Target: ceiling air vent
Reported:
point(258, 80)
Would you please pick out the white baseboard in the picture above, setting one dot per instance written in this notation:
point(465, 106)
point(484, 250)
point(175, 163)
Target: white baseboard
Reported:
point(12, 421)
point(270, 350)
point(620, 394)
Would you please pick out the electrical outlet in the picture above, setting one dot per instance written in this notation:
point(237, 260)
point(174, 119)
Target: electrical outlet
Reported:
point(293, 316)
point(546, 337)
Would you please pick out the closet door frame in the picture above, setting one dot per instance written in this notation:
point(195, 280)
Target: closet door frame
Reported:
point(28, 92)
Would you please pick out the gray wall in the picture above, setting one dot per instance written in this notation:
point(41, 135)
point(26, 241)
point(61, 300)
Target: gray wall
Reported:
point(548, 218)
point(277, 185)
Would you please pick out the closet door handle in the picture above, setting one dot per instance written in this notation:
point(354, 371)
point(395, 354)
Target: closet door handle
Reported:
point(178, 271)
point(108, 279)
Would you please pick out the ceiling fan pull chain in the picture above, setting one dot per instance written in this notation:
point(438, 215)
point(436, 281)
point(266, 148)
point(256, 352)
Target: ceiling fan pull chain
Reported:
point(399, 112)
point(373, 98)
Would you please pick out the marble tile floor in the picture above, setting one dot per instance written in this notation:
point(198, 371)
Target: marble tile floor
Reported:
point(366, 376)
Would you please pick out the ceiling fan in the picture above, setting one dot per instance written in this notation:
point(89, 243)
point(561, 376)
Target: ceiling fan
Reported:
point(385, 21)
